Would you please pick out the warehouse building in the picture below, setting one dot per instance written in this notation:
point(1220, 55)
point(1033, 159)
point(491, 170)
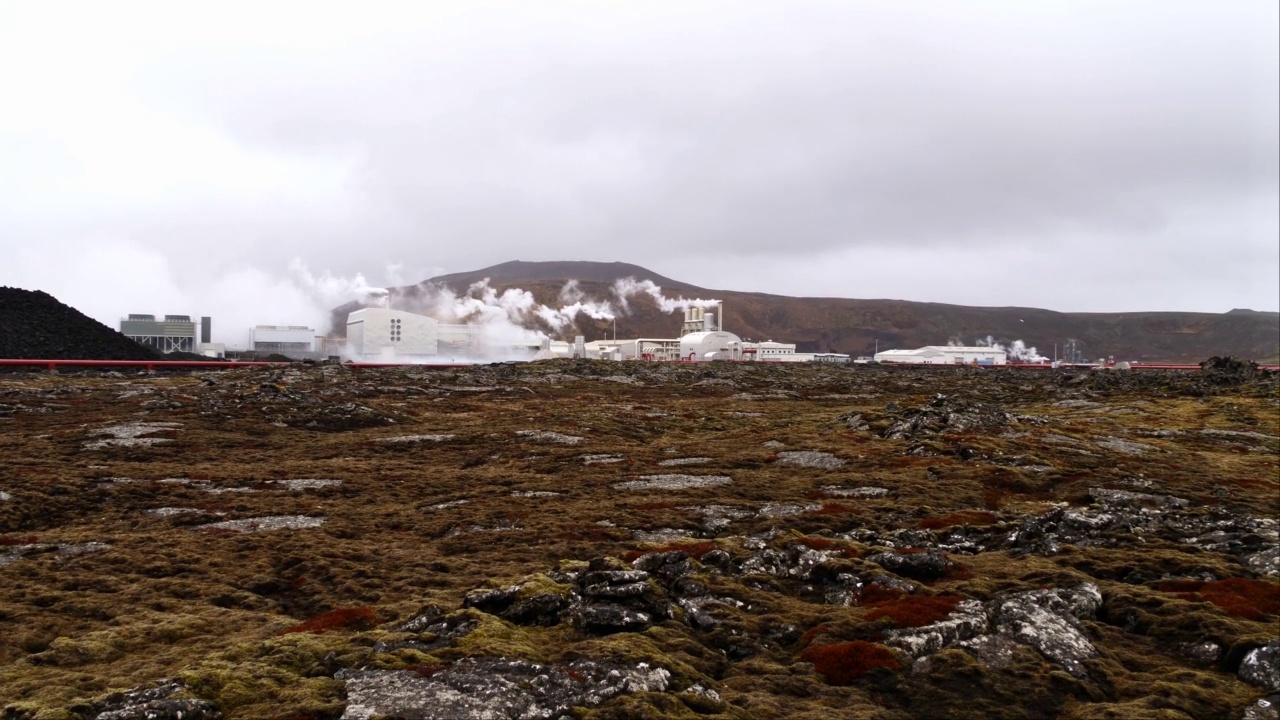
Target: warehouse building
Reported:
point(944, 355)
point(293, 341)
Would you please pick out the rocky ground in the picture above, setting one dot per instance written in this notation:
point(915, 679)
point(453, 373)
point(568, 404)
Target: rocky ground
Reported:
point(576, 539)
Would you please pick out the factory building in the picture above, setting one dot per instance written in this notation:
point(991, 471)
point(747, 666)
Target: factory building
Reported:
point(944, 355)
point(294, 341)
point(386, 335)
point(175, 333)
point(383, 334)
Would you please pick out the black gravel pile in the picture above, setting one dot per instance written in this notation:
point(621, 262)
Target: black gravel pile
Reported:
point(34, 325)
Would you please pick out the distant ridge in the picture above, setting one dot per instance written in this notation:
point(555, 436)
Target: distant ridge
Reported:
point(859, 327)
point(521, 271)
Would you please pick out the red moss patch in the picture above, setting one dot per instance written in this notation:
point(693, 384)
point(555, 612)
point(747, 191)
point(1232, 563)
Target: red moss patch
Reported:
point(1242, 597)
point(352, 618)
point(993, 498)
point(11, 540)
point(694, 550)
point(964, 517)
point(813, 632)
point(915, 611)
point(842, 663)
point(817, 543)
point(875, 593)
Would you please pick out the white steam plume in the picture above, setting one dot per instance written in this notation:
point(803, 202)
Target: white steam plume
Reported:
point(627, 287)
point(1017, 350)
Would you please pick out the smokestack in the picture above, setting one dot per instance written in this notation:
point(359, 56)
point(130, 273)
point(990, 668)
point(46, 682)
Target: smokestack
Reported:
point(206, 330)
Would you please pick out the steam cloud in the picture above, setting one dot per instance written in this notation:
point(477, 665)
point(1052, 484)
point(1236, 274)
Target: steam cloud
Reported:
point(1017, 350)
point(501, 317)
point(628, 287)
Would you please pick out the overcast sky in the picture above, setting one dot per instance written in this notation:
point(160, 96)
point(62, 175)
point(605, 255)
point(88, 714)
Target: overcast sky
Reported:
point(248, 160)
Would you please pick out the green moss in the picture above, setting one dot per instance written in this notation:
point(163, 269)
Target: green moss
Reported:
point(95, 647)
point(494, 636)
point(540, 584)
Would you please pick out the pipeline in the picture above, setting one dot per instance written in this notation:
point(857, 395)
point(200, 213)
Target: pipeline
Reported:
point(152, 365)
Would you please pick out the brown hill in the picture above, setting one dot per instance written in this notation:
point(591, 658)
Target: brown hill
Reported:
point(859, 327)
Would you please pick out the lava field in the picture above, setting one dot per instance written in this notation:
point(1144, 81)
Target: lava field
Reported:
point(638, 540)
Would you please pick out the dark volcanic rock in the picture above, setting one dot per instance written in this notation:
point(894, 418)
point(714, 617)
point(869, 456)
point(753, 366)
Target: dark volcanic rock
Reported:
point(1227, 371)
point(1261, 667)
point(37, 326)
point(928, 565)
point(494, 689)
point(153, 703)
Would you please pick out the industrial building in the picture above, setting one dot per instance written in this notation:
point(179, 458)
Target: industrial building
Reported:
point(175, 333)
point(396, 335)
point(944, 355)
point(389, 335)
point(293, 341)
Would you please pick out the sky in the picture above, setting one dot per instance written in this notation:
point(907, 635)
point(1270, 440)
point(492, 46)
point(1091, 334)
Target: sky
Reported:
point(261, 162)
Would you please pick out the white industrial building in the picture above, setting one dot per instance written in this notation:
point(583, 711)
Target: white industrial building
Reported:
point(944, 355)
point(386, 335)
point(290, 340)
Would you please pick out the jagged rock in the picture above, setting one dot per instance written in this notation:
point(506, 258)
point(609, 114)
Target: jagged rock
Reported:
point(616, 592)
point(853, 420)
point(994, 651)
point(542, 609)
point(1261, 667)
point(810, 459)
point(1127, 499)
point(614, 577)
point(610, 618)
point(928, 565)
point(492, 601)
point(1267, 708)
point(688, 587)
point(1048, 620)
point(717, 558)
point(968, 619)
point(153, 703)
point(1266, 562)
point(666, 565)
point(1227, 371)
point(944, 414)
point(1205, 653)
point(494, 689)
point(425, 618)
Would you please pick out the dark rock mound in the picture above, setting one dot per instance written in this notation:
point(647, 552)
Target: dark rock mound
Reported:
point(1227, 371)
point(34, 325)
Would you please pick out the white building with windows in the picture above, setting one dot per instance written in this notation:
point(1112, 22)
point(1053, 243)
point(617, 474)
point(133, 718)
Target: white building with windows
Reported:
point(391, 335)
point(944, 355)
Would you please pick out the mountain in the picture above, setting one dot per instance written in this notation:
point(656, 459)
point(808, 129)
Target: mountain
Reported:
point(859, 327)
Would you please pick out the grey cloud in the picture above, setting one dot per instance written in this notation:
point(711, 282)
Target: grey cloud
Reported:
point(1052, 139)
point(780, 132)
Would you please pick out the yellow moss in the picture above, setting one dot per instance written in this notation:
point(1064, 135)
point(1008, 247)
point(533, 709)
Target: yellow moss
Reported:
point(100, 646)
point(494, 636)
point(540, 584)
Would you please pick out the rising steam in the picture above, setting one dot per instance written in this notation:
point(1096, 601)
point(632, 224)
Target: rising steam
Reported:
point(1017, 350)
